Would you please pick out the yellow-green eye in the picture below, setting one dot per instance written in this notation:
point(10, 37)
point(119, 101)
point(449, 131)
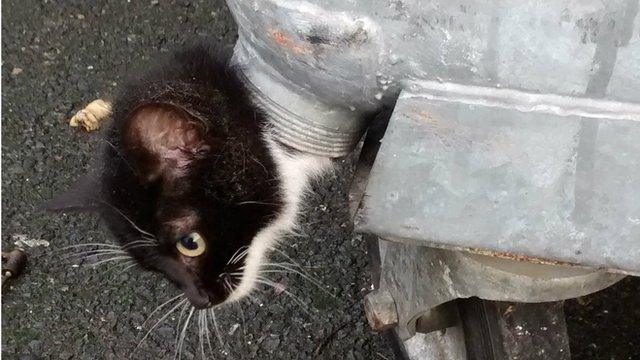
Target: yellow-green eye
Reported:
point(191, 245)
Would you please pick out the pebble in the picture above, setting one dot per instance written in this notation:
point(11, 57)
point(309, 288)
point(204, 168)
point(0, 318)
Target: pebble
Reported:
point(65, 355)
point(271, 343)
point(35, 346)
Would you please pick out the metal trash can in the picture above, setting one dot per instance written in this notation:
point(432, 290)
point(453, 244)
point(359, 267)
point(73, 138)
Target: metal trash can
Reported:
point(509, 169)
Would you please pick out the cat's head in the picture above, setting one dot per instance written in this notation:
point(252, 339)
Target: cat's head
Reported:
point(184, 195)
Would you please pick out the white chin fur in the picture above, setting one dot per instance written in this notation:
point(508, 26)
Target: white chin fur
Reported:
point(295, 171)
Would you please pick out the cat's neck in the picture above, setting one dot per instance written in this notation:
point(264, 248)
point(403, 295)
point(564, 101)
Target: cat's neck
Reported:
point(295, 171)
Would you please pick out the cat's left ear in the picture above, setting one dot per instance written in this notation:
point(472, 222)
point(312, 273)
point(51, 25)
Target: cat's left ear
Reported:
point(83, 195)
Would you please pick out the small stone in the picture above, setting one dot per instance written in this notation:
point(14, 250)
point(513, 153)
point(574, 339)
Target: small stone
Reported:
point(16, 71)
point(166, 332)
point(65, 355)
point(271, 344)
point(80, 17)
point(233, 328)
point(35, 346)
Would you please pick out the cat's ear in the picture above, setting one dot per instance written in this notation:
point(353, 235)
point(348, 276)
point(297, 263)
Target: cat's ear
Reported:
point(83, 195)
point(163, 140)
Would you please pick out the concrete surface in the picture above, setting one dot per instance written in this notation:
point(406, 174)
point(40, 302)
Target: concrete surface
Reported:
point(58, 56)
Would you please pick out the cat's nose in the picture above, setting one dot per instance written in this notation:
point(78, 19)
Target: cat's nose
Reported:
point(198, 298)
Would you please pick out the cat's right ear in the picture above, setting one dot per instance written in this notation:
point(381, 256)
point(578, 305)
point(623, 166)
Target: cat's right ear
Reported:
point(162, 140)
point(83, 195)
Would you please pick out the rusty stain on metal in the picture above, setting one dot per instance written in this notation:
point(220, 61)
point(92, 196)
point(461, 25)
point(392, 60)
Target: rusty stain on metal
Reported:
point(288, 42)
point(433, 123)
point(518, 257)
point(425, 117)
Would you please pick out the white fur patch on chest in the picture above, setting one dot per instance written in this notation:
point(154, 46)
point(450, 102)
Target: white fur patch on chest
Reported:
point(295, 170)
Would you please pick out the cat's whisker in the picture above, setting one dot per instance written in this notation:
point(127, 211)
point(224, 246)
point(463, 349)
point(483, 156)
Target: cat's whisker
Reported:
point(182, 311)
point(125, 264)
point(201, 333)
point(207, 332)
point(161, 306)
point(259, 163)
point(242, 255)
point(116, 258)
point(283, 272)
point(79, 258)
point(142, 246)
point(96, 252)
point(131, 264)
point(184, 301)
point(273, 263)
point(228, 285)
point(307, 277)
point(130, 221)
point(241, 250)
point(137, 243)
point(183, 333)
point(295, 265)
point(277, 287)
point(142, 240)
point(295, 235)
point(216, 328)
point(88, 258)
point(89, 244)
point(121, 156)
point(284, 255)
point(256, 203)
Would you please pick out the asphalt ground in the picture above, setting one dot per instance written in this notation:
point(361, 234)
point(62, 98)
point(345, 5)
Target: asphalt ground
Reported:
point(59, 56)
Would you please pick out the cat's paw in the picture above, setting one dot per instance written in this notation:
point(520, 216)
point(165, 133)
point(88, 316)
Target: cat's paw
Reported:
point(91, 116)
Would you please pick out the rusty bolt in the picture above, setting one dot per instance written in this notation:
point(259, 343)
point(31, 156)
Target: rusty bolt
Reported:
point(380, 309)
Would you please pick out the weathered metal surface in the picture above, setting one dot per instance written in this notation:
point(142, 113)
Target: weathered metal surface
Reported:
point(439, 318)
point(320, 66)
point(497, 330)
point(366, 157)
point(438, 345)
point(513, 175)
point(420, 278)
point(380, 309)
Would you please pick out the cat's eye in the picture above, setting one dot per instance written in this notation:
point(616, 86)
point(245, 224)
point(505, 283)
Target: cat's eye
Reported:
point(191, 245)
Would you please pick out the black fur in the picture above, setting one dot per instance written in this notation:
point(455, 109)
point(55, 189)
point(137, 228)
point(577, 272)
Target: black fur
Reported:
point(234, 188)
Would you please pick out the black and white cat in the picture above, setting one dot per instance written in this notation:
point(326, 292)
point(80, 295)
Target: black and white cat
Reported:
point(193, 184)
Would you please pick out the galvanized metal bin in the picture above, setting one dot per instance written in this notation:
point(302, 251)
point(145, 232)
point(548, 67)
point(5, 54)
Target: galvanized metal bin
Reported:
point(510, 167)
